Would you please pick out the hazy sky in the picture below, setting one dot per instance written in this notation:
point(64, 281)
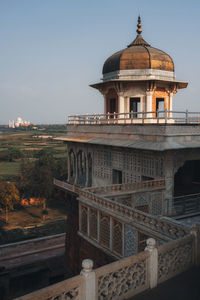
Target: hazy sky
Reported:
point(51, 50)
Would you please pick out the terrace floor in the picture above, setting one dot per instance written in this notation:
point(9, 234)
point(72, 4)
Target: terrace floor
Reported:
point(185, 286)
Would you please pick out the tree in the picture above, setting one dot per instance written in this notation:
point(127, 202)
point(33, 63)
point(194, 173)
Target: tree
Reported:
point(37, 177)
point(14, 153)
point(9, 196)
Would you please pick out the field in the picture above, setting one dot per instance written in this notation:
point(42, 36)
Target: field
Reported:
point(29, 221)
point(29, 143)
point(32, 216)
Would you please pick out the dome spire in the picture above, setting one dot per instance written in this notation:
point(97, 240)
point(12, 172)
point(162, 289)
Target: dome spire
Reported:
point(139, 25)
point(139, 41)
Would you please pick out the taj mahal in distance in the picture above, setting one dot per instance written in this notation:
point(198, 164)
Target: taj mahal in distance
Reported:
point(133, 184)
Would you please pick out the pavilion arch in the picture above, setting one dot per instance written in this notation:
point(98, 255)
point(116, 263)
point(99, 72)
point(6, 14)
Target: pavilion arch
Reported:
point(187, 178)
point(81, 168)
point(72, 162)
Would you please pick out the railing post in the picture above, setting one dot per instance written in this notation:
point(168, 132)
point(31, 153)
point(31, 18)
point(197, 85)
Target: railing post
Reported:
point(196, 232)
point(157, 116)
point(153, 262)
point(89, 289)
point(165, 116)
point(186, 116)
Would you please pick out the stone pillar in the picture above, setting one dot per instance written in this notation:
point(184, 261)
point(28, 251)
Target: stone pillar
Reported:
point(89, 289)
point(142, 104)
point(153, 262)
point(121, 107)
point(105, 105)
point(170, 104)
point(149, 103)
point(121, 104)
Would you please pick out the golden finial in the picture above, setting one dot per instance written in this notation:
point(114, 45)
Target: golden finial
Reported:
point(139, 25)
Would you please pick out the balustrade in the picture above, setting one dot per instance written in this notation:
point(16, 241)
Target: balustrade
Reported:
point(126, 277)
point(165, 116)
point(157, 224)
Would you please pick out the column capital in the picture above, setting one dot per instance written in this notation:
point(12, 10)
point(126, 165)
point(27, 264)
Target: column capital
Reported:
point(149, 93)
point(120, 94)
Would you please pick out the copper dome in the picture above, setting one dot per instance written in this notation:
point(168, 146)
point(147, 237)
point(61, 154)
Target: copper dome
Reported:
point(139, 55)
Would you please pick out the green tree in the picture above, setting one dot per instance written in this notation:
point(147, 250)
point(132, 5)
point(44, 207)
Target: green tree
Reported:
point(14, 153)
point(9, 196)
point(37, 177)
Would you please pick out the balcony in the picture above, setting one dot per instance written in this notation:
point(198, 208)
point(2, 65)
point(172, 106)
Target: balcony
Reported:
point(146, 117)
point(66, 186)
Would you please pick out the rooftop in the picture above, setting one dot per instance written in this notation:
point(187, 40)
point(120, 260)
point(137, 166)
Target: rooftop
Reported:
point(160, 137)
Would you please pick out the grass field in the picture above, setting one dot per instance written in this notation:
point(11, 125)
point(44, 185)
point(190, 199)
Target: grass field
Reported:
point(30, 145)
point(9, 168)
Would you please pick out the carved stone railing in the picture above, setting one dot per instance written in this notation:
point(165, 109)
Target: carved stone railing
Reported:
point(68, 289)
point(124, 278)
point(156, 224)
point(175, 257)
point(125, 187)
point(66, 186)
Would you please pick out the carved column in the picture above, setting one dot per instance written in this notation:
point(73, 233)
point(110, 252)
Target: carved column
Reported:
point(105, 105)
point(149, 95)
point(121, 103)
point(170, 104)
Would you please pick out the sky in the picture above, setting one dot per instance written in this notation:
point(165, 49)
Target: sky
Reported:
point(52, 50)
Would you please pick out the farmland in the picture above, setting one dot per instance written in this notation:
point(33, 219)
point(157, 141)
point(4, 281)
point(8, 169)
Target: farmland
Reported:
point(18, 148)
point(29, 144)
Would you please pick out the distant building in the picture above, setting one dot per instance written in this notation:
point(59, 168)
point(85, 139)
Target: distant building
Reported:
point(19, 123)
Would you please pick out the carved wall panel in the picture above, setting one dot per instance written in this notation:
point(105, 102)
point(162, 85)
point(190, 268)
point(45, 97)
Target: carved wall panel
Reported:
point(156, 203)
point(84, 216)
point(133, 164)
point(105, 230)
point(117, 236)
point(93, 223)
point(130, 240)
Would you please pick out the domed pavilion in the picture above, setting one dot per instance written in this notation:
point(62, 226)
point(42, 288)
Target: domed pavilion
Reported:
point(139, 79)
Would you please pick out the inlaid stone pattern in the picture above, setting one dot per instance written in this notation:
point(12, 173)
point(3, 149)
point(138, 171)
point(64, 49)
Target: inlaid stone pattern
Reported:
point(116, 284)
point(130, 240)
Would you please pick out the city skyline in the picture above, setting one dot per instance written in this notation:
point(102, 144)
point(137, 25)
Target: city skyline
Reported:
point(52, 51)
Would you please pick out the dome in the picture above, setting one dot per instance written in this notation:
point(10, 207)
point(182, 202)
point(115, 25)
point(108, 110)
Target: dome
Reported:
point(139, 55)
